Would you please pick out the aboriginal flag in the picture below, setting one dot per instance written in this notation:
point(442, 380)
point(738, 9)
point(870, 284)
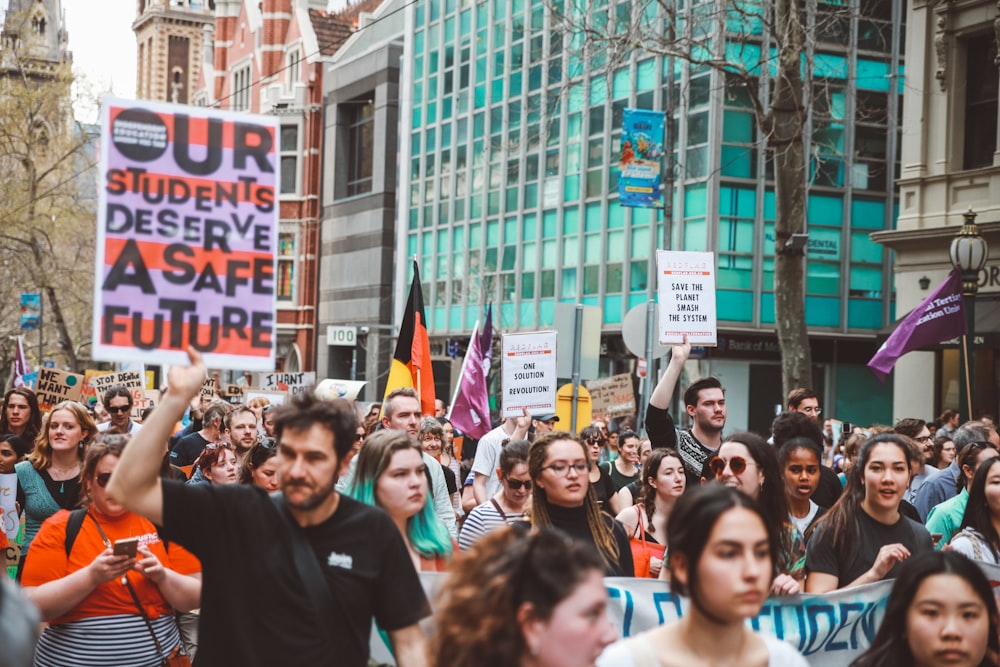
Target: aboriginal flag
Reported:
point(411, 363)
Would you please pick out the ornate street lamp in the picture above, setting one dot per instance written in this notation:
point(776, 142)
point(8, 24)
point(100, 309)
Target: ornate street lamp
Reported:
point(968, 252)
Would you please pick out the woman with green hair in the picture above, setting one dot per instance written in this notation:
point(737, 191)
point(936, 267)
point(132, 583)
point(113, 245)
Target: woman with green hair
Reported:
point(391, 474)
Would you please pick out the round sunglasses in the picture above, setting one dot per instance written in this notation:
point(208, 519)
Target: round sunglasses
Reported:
point(718, 465)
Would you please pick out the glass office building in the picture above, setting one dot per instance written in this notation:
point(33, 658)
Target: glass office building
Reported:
point(510, 128)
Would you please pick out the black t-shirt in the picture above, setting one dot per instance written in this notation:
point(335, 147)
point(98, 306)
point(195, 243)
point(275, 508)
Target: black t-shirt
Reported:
point(188, 449)
point(604, 488)
point(829, 488)
point(872, 536)
point(254, 607)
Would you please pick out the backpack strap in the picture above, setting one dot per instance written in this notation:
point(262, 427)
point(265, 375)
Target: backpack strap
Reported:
point(73, 526)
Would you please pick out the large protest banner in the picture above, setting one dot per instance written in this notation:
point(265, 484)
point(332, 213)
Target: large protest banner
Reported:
point(830, 630)
point(187, 232)
point(528, 376)
point(686, 296)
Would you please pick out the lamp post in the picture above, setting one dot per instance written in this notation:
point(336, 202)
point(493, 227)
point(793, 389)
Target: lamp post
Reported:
point(968, 254)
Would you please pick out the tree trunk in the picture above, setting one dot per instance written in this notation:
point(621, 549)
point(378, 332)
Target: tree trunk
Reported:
point(786, 142)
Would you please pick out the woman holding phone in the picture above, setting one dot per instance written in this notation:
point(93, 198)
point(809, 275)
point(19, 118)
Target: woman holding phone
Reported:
point(91, 569)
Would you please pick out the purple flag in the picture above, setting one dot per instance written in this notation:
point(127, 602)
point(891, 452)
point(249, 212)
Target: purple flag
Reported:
point(470, 411)
point(21, 365)
point(939, 317)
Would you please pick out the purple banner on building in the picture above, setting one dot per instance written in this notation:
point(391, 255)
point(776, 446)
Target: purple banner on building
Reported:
point(938, 317)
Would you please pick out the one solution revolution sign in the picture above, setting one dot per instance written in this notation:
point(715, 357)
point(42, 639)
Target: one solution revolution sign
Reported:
point(187, 233)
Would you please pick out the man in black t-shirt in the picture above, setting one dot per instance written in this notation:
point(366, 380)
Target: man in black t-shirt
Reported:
point(256, 609)
point(189, 448)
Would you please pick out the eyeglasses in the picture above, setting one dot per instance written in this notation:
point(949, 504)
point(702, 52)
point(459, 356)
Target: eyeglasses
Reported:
point(718, 465)
point(516, 484)
point(102, 479)
point(120, 408)
point(812, 411)
point(924, 438)
point(563, 468)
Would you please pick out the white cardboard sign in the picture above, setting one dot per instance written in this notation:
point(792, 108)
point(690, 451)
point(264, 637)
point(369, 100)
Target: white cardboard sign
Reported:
point(686, 293)
point(529, 373)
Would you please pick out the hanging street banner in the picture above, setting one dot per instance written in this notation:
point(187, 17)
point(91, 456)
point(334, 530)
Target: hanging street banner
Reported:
point(529, 373)
point(186, 235)
point(31, 310)
point(641, 159)
point(686, 293)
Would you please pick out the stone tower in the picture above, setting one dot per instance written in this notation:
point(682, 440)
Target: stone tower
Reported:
point(170, 36)
point(35, 30)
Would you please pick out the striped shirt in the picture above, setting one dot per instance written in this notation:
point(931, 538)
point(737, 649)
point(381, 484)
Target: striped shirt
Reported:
point(483, 519)
point(106, 640)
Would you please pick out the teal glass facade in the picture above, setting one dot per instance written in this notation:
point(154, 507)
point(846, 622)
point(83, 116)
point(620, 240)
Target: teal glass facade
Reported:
point(509, 187)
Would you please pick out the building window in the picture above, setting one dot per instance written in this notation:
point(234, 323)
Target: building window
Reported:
point(361, 149)
point(980, 102)
point(286, 267)
point(241, 89)
point(289, 159)
point(292, 61)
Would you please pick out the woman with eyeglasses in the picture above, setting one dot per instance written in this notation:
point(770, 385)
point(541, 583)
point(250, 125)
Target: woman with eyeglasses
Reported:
point(509, 504)
point(528, 600)
point(104, 602)
point(559, 465)
point(600, 478)
point(864, 537)
point(663, 482)
point(261, 467)
point(745, 462)
point(723, 556)
point(391, 474)
point(50, 476)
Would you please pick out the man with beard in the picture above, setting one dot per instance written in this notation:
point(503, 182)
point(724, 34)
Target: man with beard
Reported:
point(257, 605)
point(242, 426)
point(705, 403)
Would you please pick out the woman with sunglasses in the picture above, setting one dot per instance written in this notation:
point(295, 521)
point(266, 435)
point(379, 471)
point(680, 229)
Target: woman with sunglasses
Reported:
point(723, 556)
point(663, 482)
point(528, 600)
point(559, 463)
point(50, 476)
point(747, 463)
point(507, 506)
point(864, 537)
point(600, 478)
point(392, 475)
point(261, 467)
point(96, 599)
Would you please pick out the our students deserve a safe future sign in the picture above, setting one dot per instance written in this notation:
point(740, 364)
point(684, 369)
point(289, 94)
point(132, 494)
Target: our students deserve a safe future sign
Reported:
point(187, 234)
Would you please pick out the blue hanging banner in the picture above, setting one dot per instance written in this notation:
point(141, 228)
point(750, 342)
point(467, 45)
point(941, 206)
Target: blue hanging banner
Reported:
point(31, 310)
point(640, 161)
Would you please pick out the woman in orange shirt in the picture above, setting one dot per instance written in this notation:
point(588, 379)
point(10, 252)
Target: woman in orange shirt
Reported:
point(89, 595)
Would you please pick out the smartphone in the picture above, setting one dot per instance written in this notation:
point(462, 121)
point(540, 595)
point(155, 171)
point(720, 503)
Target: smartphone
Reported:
point(847, 428)
point(127, 547)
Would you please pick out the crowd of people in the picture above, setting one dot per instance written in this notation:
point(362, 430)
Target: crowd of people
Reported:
point(264, 534)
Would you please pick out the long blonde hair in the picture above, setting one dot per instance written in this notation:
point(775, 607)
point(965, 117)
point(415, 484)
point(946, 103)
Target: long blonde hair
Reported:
point(539, 513)
point(41, 458)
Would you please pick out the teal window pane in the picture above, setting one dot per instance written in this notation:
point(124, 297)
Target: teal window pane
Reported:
point(864, 314)
point(738, 162)
point(636, 299)
point(571, 250)
point(867, 213)
point(822, 311)
point(439, 317)
point(593, 219)
point(416, 118)
point(863, 249)
point(613, 309)
point(458, 239)
point(638, 276)
point(822, 278)
point(510, 199)
point(576, 97)
point(622, 85)
point(736, 235)
point(455, 319)
point(510, 229)
point(465, 22)
point(695, 234)
point(571, 188)
point(591, 279)
point(734, 306)
point(646, 75)
point(472, 314)
point(569, 287)
point(737, 127)
point(546, 312)
point(509, 260)
point(442, 241)
point(529, 255)
point(548, 283)
point(531, 195)
point(574, 125)
point(866, 281)
point(427, 244)
point(767, 308)
point(414, 218)
point(595, 182)
point(826, 210)
point(549, 257)
point(571, 221)
point(640, 242)
point(873, 75)
point(526, 316)
point(529, 227)
point(549, 222)
point(694, 201)
point(598, 91)
point(490, 263)
point(592, 248)
point(493, 203)
point(528, 285)
point(769, 205)
point(824, 244)
point(507, 314)
point(735, 272)
point(475, 235)
point(616, 215)
point(829, 66)
point(411, 245)
point(613, 278)
point(616, 246)
point(418, 40)
point(739, 202)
